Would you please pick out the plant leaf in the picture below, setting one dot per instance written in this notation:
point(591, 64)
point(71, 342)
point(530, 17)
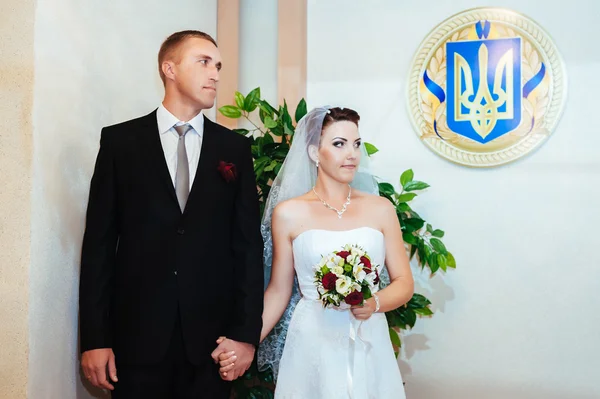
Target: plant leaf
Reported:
point(415, 223)
point(239, 99)
point(438, 246)
point(409, 238)
point(300, 110)
point(423, 312)
point(450, 261)
point(387, 188)
point(395, 338)
point(251, 101)
point(442, 261)
point(407, 176)
point(243, 132)
point(269, 122)
point(415, 185)
point(437, 233)
point(371, 149)
point(406, 197)
point(230, 111)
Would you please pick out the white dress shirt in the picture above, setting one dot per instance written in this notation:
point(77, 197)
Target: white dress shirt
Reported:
point(169, 139)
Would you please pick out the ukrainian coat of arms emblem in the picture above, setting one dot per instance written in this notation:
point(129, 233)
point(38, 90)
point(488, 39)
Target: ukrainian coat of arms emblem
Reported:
point(486, 87)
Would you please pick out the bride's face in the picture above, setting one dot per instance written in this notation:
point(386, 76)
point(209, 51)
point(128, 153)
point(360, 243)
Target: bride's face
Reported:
point(339, 151)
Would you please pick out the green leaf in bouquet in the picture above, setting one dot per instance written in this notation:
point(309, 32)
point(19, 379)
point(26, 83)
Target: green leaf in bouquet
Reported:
point(437, 233)
point(415, 185)
point(438, 246)
point(366, 292)
point(371, 149)
point(239, 99)
point(251, 101)
point(429, 228)
point(230, 111)
point(407, 176)
point(300, 110)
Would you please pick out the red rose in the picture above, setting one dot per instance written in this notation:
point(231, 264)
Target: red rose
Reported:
point(329, 281)
point(228, 171)
point(376, 281)
point(365, 261)
point(343, 254)
point(354, 298)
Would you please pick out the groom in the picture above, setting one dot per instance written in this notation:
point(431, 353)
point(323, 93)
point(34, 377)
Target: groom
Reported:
point(172, 251)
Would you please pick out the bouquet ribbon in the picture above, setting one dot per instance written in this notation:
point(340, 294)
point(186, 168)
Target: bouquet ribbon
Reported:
point(357, 387)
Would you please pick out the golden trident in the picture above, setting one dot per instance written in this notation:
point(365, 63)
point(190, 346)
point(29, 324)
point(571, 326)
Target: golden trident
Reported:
point(483, 110)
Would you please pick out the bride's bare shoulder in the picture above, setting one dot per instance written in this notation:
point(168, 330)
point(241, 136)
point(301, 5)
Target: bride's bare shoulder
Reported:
point(292, 208)
point(374, 202)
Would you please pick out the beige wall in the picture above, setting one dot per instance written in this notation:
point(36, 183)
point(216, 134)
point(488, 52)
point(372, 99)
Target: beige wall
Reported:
point(16, 98)
point(16, 91)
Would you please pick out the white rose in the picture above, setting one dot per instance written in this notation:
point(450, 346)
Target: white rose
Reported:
point(338, 270)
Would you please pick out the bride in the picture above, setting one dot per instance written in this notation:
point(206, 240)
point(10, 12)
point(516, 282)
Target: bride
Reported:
point(322, 199)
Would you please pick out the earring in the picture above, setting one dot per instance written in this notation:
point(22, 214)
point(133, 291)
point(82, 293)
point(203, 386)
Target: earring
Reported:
point(317, 163)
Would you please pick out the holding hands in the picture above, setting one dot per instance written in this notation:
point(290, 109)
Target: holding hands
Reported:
point(234, 358)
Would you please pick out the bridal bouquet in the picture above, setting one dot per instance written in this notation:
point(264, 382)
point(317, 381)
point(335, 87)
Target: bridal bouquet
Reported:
point(346, 278)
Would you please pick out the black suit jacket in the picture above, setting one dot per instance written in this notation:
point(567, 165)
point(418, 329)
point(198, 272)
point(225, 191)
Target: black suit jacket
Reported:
point(143, 260)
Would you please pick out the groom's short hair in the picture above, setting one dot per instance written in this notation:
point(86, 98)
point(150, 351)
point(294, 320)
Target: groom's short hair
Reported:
point(175, 40)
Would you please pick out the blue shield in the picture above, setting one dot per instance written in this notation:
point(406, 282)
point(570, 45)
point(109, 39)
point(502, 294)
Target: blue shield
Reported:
point(483, 83)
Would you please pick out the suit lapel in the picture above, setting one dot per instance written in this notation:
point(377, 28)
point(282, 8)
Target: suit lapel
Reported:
point(156, 154)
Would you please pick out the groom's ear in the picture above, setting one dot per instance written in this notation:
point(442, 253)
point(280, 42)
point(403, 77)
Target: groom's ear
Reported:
point(313, 153)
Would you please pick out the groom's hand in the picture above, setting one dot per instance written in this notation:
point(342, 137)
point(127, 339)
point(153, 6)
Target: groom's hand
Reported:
point(94, 363)
point(242, 354)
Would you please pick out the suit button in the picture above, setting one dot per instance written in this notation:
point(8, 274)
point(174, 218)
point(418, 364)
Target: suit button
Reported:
point(175, 272)
point(180, 231)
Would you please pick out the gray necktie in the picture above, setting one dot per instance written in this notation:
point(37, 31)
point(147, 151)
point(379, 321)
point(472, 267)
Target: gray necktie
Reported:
point(182, 175)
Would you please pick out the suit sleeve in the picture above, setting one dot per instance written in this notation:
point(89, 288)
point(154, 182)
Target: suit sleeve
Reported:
point(98, 254)
point(248, 256)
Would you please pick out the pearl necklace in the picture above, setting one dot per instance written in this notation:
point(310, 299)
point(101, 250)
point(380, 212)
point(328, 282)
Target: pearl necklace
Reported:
point(339, 212)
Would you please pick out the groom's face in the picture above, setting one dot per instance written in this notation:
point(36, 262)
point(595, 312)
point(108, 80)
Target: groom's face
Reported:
point(196, 72)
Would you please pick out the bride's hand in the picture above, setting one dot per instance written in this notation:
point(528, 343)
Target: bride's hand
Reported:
point(364, 311)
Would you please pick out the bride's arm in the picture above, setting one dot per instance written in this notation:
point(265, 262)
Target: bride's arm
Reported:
point(401, 286)
point(279, 290)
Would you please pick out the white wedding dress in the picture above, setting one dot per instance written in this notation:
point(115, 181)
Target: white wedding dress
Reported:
point(329, 354)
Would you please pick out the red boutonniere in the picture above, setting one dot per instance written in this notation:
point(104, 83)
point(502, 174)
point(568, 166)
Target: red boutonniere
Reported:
point(228, 171)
